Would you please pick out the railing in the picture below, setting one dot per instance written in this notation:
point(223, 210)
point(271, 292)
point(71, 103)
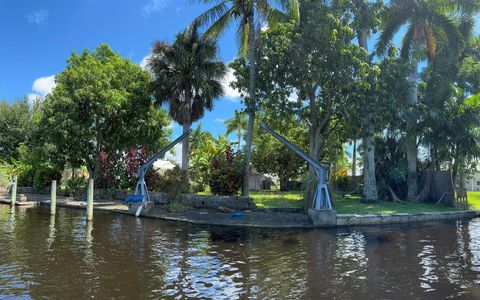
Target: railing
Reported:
point(461, 198)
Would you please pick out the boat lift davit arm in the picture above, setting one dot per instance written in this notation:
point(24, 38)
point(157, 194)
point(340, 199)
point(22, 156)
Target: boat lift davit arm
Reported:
point(141, 191)
point(322, 198)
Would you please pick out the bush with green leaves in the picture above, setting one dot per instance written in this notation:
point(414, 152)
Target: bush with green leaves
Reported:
point(226, 173)
point(44, 176)
point(73, 186)
point(171, 182)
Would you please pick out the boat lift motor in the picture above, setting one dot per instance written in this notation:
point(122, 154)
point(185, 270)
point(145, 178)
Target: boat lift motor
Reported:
point(141, 191)
point(322, 197)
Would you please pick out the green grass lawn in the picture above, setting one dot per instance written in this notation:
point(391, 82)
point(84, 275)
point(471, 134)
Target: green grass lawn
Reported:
point(474, 200)
point(351, 204)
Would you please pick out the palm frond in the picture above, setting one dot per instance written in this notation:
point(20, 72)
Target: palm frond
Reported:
point(397, 17)
point(212, 14)
point(431, 43)
point(446, 25)
point(407, 42)
point(219, 26)
point(242, 38)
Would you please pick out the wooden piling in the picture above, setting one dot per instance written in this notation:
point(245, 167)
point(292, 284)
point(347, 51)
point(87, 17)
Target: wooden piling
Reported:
point(14, 191)
point(53, 196)
point(90, 200)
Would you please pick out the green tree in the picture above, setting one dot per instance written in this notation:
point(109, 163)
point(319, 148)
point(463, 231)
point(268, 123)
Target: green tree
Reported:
point(249, 15)
point(188, 77)
point(16, 127)
point(101, 103)
point(237, 123)
point(272, 157)
point(365, 21)
point(309, 71)
point(428, 23)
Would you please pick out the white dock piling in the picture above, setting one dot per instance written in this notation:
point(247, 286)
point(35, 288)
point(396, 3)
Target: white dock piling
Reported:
point(53, 200)
point(90, 200)
point(14, 191)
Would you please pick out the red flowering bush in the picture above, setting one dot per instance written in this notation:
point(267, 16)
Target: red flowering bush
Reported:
point(226, 173)
point(134, 159)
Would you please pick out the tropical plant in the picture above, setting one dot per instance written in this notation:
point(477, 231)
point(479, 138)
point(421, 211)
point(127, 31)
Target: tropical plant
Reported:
point(428, 23)
point(237, 123)
point(250, 16)
point(226, 173)
point(202, 158)
point(187, 76)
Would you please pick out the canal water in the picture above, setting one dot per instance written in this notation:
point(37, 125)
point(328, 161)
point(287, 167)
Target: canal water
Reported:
point(121, 257)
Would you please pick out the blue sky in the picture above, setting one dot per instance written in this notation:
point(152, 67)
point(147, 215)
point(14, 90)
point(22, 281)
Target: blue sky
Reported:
point(37, 36)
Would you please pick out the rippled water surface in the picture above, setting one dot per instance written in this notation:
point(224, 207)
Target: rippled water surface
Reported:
point(121, 257)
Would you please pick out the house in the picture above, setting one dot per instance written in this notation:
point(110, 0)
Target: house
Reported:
point(473, 182)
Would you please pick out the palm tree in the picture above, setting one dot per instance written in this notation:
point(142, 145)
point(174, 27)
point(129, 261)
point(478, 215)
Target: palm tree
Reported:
point(249, 15)
point(237, 123)
point(187, 76)
point(427, 23)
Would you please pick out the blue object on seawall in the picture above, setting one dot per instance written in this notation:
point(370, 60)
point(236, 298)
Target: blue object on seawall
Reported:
point(237, 214)
point(135, 198)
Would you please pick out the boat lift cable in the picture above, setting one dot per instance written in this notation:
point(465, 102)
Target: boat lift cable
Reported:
point(321, 198)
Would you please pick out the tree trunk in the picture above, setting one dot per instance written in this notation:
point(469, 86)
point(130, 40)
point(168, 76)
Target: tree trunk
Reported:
point(283, 183)
point(314, 151)
point(250, 104)
point(370, 193)
point(239, 137)
point(97, 171)
point(354, 158)
point(91, 172)
point(411, 139)
point(186, 154)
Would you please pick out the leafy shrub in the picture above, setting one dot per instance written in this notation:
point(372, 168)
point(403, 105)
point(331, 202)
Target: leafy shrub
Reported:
point(135, 158)
point(110, 172)
point(342, 181)
point(171, 182)
point(74, 185)
point(26, 176)
point(44, 176)
point(226, 173)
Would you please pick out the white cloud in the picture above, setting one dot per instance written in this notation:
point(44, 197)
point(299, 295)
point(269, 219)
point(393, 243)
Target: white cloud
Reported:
point(144, 62)
point(38, 17)
point(44, 85)
point(154, 6)
point(230, 93)
point(218, 120)
point(41, 87)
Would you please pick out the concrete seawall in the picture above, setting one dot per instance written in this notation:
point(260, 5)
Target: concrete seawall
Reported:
point(261, 218)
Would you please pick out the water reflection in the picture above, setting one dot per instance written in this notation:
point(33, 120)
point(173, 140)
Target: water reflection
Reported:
point(121, 257)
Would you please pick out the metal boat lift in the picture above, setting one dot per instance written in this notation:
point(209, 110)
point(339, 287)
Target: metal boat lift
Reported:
point(321, 198)
point(141, 191)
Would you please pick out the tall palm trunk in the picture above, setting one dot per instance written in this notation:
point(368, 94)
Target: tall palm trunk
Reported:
point(250, 104)
point(411, 139)
point(239, 135)
point(354, 158)
point(370, 193)
point(186, 142)
point(186, 154)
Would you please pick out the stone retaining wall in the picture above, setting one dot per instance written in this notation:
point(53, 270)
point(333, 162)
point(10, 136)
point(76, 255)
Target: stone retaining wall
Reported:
point(378, 219)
